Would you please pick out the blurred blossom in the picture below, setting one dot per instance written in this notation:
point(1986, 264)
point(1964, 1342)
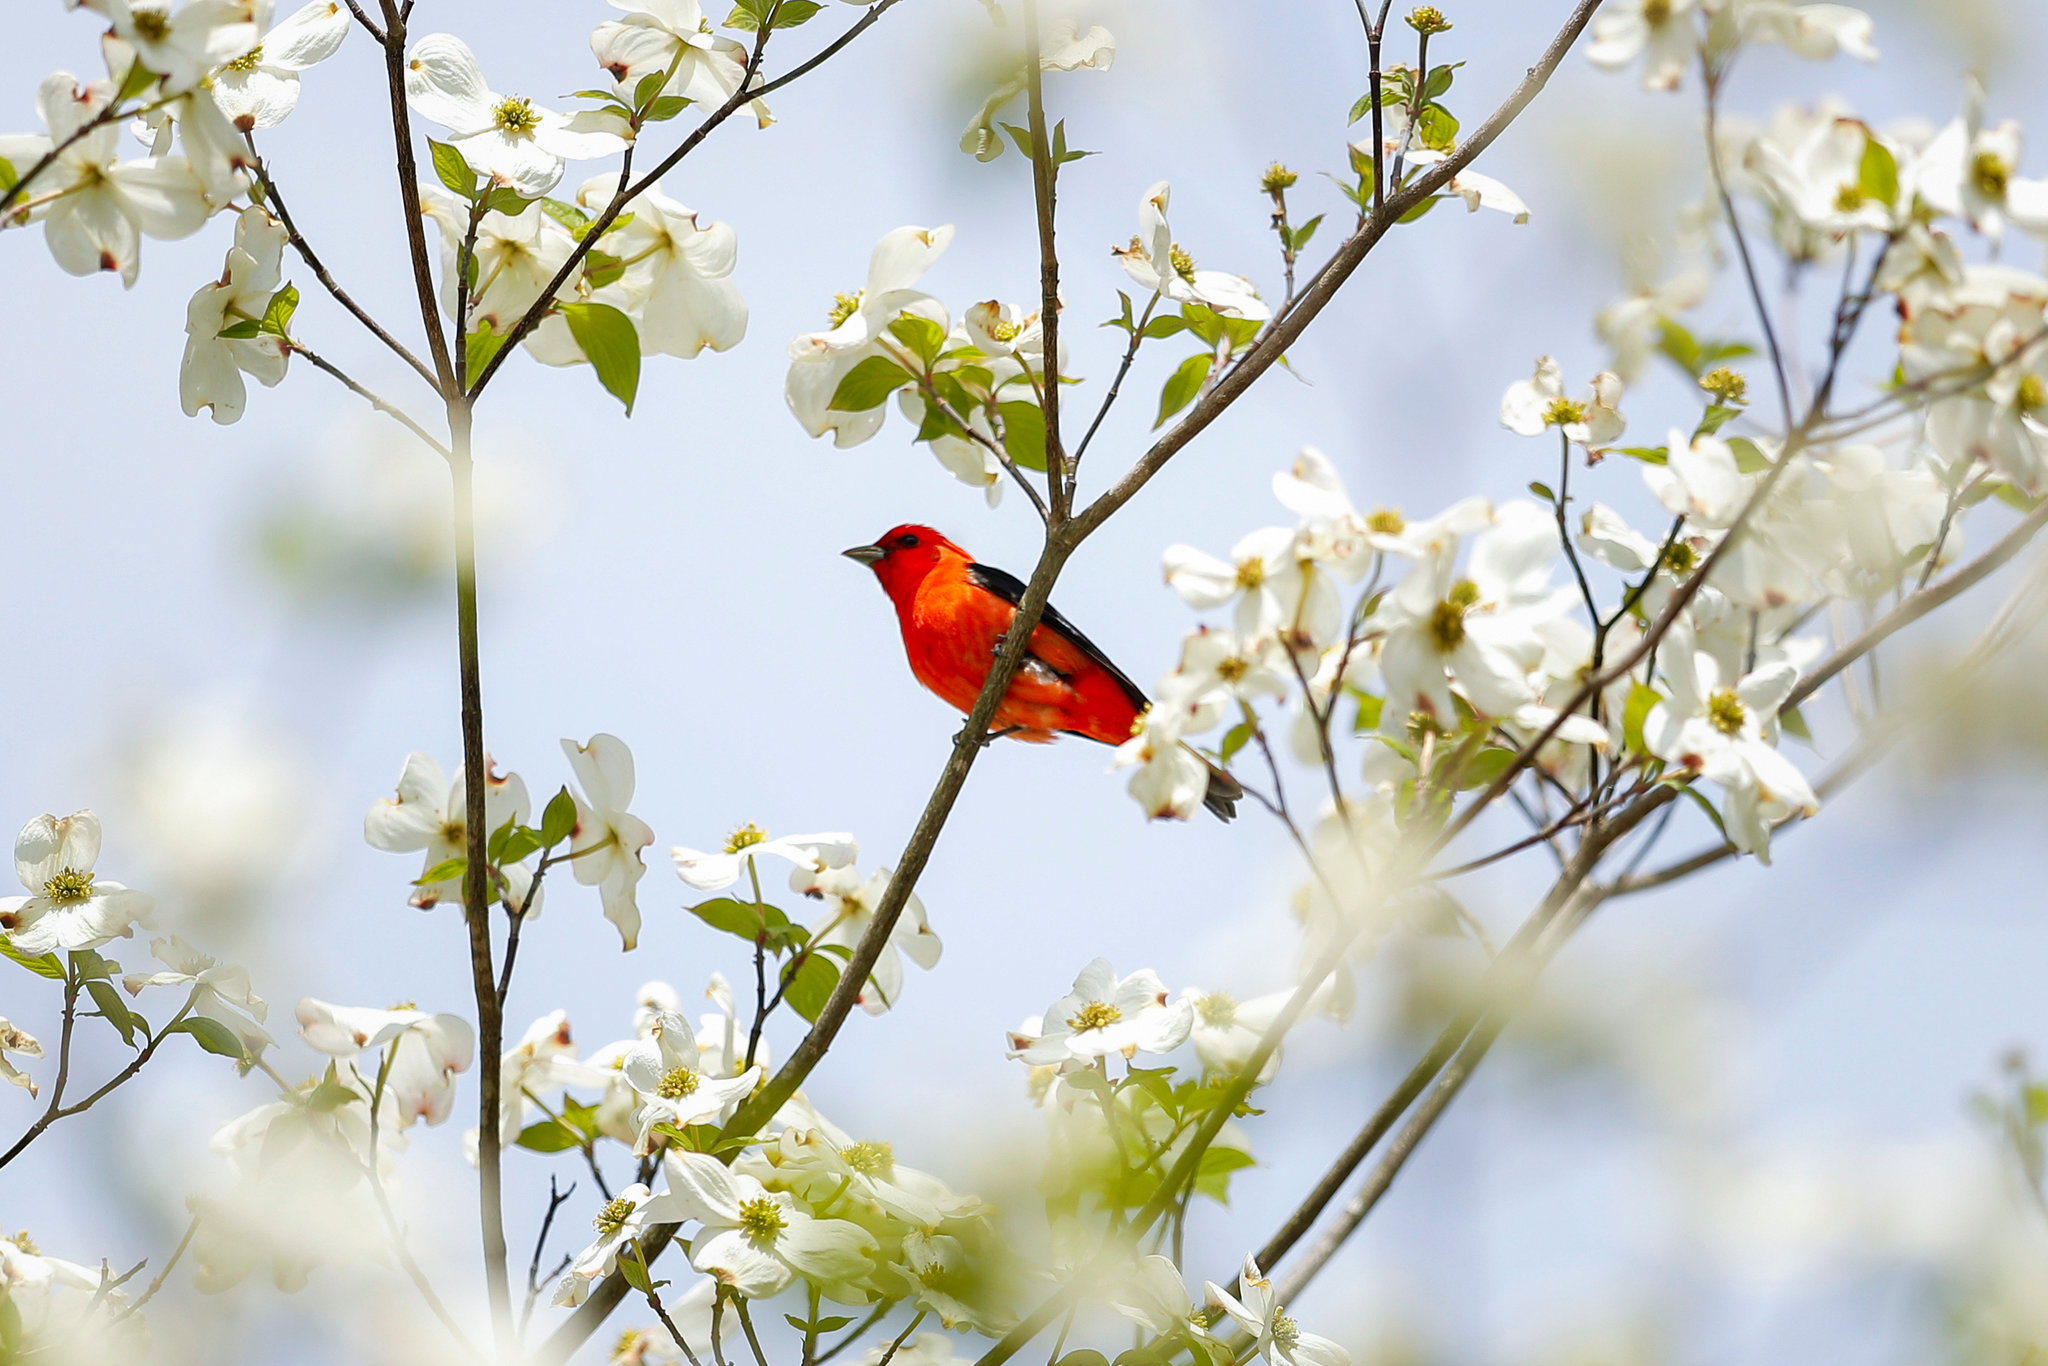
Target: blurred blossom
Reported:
point(364, 524)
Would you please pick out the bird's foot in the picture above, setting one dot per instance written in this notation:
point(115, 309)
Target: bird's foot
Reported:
point(988, 737)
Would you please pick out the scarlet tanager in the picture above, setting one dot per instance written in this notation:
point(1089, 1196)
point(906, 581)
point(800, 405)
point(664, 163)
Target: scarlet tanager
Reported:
point(954, 614)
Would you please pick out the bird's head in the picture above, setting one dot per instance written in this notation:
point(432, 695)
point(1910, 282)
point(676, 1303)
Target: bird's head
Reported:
point(904, 555)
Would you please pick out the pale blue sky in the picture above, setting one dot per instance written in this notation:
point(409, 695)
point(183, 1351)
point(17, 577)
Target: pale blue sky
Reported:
point(677, 583)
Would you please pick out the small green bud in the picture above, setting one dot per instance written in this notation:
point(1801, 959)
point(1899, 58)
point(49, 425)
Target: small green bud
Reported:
point(1428, 19)
point(1277, 178)
point(1728, 388)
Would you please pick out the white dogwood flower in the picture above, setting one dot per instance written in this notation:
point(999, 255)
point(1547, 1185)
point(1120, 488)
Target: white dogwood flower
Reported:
point(211, 374)
point(67, 906)
point(506, 137)
point(613, 836)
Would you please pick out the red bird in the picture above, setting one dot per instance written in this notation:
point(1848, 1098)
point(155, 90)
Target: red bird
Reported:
point(954, 614)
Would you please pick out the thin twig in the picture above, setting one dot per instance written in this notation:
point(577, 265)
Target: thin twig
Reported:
point(382, 405)
point(1044, 188)
point(274, 200)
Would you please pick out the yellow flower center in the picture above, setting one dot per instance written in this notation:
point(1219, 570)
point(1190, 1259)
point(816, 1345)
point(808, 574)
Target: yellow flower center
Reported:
point(1251, 574)
point(1428, 19)
point(1564, 411)
point(1990, 174)
point(676, 1083)
point(1277, 178)
point(248, 61)
point(1681, 559)
point(1003, 330)
point(1656, 13)
point(27, 1244)
point(1726, 713)
point(69, 887)
point(1183, 264)
point(1447, 620)
point(1849, 197)
point(2033, 394)
point(1285, 1331)
point(515, 115)
point(870, 1157)
point(1387, 521)
point(746, 837)
point(761, 1219)
point(844, 306)
point(613, 1217)
point(1094, 1015)
point(151, 24)
point(1218, 1009)
point(1726, 386)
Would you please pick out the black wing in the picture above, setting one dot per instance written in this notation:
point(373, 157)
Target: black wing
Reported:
point(1010, 589)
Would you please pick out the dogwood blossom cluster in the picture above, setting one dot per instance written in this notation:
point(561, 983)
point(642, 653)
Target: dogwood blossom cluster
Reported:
point(592, 831)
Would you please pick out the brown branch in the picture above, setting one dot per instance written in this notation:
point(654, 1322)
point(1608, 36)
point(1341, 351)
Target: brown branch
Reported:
point(275, 201)
point(393, 40)
point(1044, 187)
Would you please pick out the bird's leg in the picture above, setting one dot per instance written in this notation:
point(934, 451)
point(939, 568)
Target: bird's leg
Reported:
point(990, 737)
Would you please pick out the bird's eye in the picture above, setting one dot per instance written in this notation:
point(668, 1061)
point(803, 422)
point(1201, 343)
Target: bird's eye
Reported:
point(908, 540)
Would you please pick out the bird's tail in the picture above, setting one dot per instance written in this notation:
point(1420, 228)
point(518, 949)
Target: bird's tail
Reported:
point(1223, 794)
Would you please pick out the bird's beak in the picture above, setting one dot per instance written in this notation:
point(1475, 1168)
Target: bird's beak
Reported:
point(866, 554)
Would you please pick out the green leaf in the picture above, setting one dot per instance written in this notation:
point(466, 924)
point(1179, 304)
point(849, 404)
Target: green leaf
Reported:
point(2014, 497)
point(791, 13)
point(1125, 321)
point(211, 1035)
point(601, 268)
point(664, 109)
point(868, 385)
point(1641, 698)
point(1700, 798)
point(447, 870)
point(48, 965)
point(1021, 136)
point(1024, 432)
point(1483, 767)
point(734, 917)
point(1165, 326)
point(1748, 457)
point(331, 1095)
point(1878, 173)
point(1212, 1176)
point(455, 172)
point(635, 1270)
point(506, 200)
point(1793, 723)
point(1717, 416)
point(607, 337)
point(1439, 82)
point(519, 844)
point(246, 330)
point(559, 819)
point(1420, 209)
point(480, 348)
point(1236, 738)
point(108, 999)
point(568, 215)
point(1298, 238)
point(812, 986)
point(923, 336)
point(1675, 341)
point(745, 16)
point(547, 1137)
point(1542, 490)
point(277, 317)
point(647, 87)
point(9, 178)
point(1649, 455)
point(138, 79)
point(1436, 129)
point(1360, 108)
point(1182, 387)
point(1714, 353)
point(1369, 710)
point(90, 965)
point(1060, 155)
